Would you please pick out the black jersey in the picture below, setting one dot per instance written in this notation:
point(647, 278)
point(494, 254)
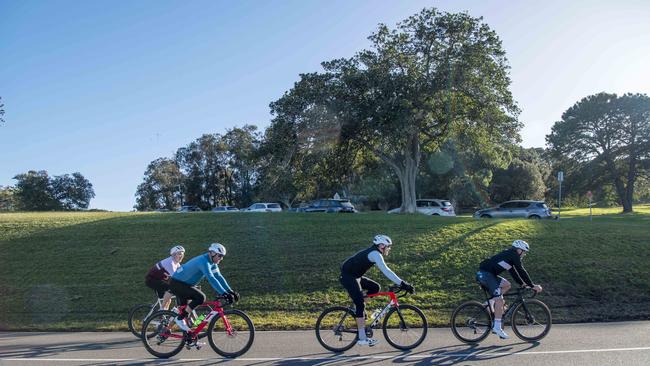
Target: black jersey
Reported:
point(507, 260)
point(358, 264)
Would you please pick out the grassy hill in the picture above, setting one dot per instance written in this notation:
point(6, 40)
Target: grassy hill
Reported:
point(85, 270)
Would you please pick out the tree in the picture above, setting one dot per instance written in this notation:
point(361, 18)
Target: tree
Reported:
point(242, 145)
point(160, 187)
point(73, 192)
point(610, 131)
point(521, 180)
point(436, 76)
point(8, 200)
point(35, 193)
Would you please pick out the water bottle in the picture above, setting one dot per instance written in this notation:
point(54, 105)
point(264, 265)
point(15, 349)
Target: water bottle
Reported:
point(198, 320)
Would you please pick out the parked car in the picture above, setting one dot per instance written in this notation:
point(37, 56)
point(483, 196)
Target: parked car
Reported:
point(519, 208)
point(225, 209)
point(432, 206)
point(189, 208)
point(331, 205)
point(263, 207)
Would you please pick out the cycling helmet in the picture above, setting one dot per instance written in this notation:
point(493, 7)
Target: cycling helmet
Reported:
point(217, 248)
point(520, 244)
point(176, 249)
point(382, 239)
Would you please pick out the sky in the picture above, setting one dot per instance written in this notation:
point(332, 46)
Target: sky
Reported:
point(105, 87)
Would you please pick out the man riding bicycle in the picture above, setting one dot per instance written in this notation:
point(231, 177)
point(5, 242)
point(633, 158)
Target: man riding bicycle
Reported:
point(488, 277)
point(157, 277)
point(183, 282)
point(352, 279)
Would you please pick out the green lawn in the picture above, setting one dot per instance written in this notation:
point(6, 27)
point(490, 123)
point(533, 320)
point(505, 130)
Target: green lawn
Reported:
point(85, 270)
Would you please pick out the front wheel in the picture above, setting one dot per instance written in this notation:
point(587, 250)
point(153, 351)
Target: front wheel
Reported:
point(336, 329)
point(161, 335)
point(531, 320)
point(471, 322)
point(405, 327)
point(231, 334)
point(137, 316)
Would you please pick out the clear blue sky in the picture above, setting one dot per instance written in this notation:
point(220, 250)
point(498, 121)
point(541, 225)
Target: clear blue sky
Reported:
point(105, 87)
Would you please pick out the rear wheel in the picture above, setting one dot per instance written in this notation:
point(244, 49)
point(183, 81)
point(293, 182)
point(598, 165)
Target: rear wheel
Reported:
point(531, 320)
point(471, 322)
point(231, 335)
point(336, 329)
point(137, 316)
point(405, 327)
point(161, 336)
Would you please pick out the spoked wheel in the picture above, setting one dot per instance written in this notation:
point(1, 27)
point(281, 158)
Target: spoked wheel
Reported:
point(471, 322)
point(137, 316)
point(336, 329)
point(161, 336)
point(231, 335)
point(531, 320)
point(405, 327)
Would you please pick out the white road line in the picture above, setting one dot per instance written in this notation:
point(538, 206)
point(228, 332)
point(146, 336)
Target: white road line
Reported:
point(375, 357)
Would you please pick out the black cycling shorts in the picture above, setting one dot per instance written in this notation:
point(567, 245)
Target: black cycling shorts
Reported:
point(491, 282)
point(354, 287)
point(159, 285)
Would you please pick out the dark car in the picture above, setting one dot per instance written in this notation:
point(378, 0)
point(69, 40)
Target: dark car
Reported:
point(331, 205)
point(189, 208)
point(520, 208)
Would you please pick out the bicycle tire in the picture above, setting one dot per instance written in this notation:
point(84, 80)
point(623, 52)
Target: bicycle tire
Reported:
point(533, 314)
point(332, 322)
point(157, 329)
point(243, 329)
point(137, 315)
point(474, 317)
point(405, 320)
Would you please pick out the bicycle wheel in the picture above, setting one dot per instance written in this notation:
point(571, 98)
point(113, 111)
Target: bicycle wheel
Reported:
point(405, 327)
point(471, 322)
point(336, 329)
point(531, 320)
point(161, 336)
point(137, 316)
point(235, 341)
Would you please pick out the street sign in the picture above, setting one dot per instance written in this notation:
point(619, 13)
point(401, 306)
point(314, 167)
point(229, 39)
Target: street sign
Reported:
point(560, 176)
point(589, 195)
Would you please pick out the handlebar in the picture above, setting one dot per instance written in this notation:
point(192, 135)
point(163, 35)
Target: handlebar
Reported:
point(399, 292)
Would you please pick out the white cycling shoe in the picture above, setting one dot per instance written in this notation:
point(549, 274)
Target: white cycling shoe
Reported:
point(500, 333)
point(181, 324)
point(367, 342)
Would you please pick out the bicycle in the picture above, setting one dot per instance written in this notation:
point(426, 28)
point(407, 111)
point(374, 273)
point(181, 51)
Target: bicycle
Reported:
point(404, 326)
point(471, 322)
point(139, 313)
point(230, 332)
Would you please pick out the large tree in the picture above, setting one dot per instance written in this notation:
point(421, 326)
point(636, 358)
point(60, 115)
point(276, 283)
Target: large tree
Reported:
point(610, 131)
point(161, 186)
point(73, 191)
point(35, 193)
point(436, 76)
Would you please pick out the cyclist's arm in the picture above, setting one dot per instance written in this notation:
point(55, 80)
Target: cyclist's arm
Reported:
point(216, 285)
point(378, 259)
point(222, 280)
point(522, 275)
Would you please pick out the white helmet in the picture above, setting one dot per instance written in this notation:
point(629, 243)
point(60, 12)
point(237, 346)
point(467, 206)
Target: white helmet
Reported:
point(520, 244)
point(217, 248)
point(176, 249)
point(382, 239)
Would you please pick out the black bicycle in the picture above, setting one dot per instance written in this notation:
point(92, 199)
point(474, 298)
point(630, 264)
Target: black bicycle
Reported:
point(471, 322)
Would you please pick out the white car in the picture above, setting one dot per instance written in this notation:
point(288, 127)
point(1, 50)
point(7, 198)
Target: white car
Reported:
point(263, 207)
point(433, 207)
point(225, 209)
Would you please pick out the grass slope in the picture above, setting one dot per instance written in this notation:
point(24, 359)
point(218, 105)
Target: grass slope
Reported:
point(70, 271)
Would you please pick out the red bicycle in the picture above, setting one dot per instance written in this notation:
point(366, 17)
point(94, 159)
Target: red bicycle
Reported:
point(404, 326)
point(230, 332)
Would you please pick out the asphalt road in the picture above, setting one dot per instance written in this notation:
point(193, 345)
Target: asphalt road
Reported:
point(626, 343)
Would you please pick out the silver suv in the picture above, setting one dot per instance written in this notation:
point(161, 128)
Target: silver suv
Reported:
point(512, 209)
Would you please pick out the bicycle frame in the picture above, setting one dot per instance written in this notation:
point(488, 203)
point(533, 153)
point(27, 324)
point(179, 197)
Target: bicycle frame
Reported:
point(392, 303)
point(215, 309)
point(508, 313)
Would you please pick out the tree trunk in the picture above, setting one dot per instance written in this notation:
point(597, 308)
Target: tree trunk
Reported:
point(629, 189)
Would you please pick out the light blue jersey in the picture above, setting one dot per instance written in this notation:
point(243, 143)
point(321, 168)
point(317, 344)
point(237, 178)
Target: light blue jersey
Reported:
point(193, 271)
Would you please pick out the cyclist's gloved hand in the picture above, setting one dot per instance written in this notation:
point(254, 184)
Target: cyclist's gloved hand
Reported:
point(407, 287)
point(235, 295)
point(228, 297)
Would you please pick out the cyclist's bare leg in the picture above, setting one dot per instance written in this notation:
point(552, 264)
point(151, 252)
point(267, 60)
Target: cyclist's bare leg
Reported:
point(167, 299)
point(499, 301)
point(361, 327)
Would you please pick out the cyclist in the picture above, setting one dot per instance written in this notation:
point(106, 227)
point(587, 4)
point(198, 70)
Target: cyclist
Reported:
point(352, 279)
point(158, 276)
point(488, 277)
point(183, 282)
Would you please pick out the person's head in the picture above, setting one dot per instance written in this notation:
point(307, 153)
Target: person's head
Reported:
point(383, 243)
point(216, 252)
point(521, 246)
point(177, 252)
